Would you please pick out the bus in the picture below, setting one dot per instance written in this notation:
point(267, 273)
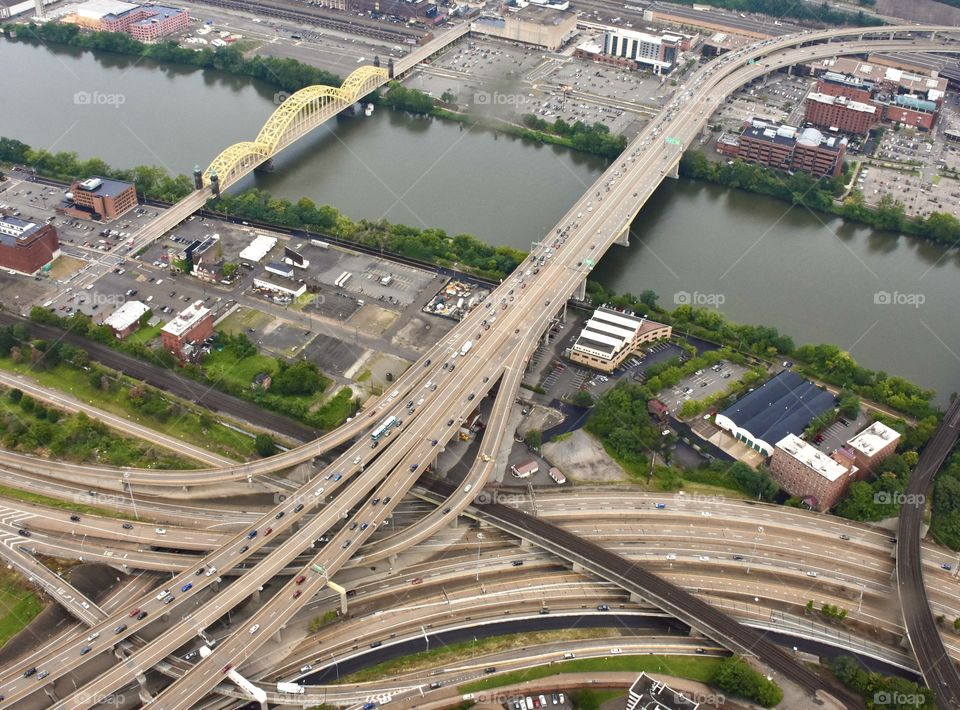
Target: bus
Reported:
point(385, 426)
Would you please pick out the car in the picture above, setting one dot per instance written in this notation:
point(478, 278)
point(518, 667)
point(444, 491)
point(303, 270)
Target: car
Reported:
point(226, 668)
point(386, 500)
point(353, 525)
point(210, 572)
point(416, 580)
point(243, 549)
point(844, 537)
point(946, 566)
point(555, 698)
point(267, 531)
point(603, 607)
point(544, 610)
point(369, 706)
point(660, 506)
point(127, 526)
point(491, 669)
point(376, 644)
point(169, 599)
point(200, 571)
point(75, 518)
point(29, 672)
point(85, 650)
point(811, 573)
point(892, 539)
point(517, 563)
point(252, 534)
point(738, 558)
point(301, 579)
point(671, 556)
point(356, 461)
point(569, 654)
point(433, 443)
point(345, 545)
point(317, 493)
point(446, 510)
point(470, 398)
point(24, 532)
point(141, 616)
point(94, 636)
point(374, 501)
point(186, 587)
point(699, 650)
point(255, 628)
point(616, 651)
point(449, 422)
point(120, 629)
point(296, 594)
point(160, 531)
point(162, 594)
point(706, 513)
point(298, 508)
point(703, 558)
point(134, 612)
point(414, 467)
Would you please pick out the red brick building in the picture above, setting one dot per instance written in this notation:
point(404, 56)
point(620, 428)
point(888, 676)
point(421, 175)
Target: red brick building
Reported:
point(842, 113)
point(100, 198)
point(786, 148)
point(873, 445)
point(809, 474)
point(146, 23)
point(191, 326)
point(25, 246)
point(844, 102)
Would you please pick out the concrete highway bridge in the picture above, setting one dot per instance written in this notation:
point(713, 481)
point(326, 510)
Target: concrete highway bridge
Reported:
point(365, 484)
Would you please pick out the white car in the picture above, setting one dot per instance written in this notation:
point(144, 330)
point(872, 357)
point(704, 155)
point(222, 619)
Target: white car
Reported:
point(162, 594)
point(317, 493)
point(706, 513)
point(160, 531)
point(616, 650)
point(210, 572)
point(671, 556)
point(356, 461)
point(255, 628)
point(704, 558)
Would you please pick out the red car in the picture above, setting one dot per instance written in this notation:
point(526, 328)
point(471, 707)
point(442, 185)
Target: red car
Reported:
point(134, 612)
point(416, 580)
point(267, 531)
point(226, 668)
point(301, 579)
point(297, 594)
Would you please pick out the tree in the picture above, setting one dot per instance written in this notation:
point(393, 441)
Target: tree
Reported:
point(264, 445)
point(534, 439)
point(229, 269)
point(735, 676)
point(15, 395)
point(448, 97)
point(583, 399)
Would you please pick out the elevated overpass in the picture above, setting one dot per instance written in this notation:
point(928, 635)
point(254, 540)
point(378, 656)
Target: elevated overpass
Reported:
point(515, 323)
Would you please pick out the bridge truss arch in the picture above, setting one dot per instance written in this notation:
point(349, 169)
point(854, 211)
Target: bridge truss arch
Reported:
point(300, 113)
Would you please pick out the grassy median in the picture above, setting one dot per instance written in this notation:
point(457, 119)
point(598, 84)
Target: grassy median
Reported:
point(18, 604)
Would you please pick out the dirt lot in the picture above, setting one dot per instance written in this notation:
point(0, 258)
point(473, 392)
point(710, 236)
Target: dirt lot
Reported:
point(372, 319)
point(583, 459)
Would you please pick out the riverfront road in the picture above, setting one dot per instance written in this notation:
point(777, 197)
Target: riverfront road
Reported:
point(522, 311)
point(939, 671)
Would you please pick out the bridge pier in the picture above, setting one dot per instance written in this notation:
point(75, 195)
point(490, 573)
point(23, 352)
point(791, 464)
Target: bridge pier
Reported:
point(623, 239)
point(145, 696)
point(266, 166)
point(51, 693)
point(581, 293)
point(674, 171)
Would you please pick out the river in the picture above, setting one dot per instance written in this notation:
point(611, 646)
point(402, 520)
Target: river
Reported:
point(757, 259)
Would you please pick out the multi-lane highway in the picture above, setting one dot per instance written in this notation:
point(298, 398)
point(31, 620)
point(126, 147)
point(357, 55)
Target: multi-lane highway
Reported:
point(502, 332)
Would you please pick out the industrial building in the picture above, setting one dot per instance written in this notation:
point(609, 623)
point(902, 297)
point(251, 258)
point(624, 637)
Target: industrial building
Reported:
point(126, 319)
point(192, 325)
point(786, 148)
point(99, 198)
point(873, 445)
point(610, 336)
point(278, 285)
point(539, 26)
point(11, 8)
point(648, 693)
point(784, 404)
point(804, 471)
point(145, 23)
point(258, 248)
point(284, 270)
point(26, 247)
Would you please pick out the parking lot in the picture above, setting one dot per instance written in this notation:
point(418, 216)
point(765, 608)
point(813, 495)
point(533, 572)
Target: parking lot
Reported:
point(541, 700)
point(841, 431)
point(702, 384)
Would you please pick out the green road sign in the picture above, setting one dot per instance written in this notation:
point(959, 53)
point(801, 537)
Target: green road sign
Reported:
point(673, 141)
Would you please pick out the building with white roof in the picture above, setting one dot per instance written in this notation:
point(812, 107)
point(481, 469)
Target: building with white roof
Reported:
point(126, 318)
point(191, 325)
point(873, 445)
point(804, 471)
point(258, 248)
point(610, 336)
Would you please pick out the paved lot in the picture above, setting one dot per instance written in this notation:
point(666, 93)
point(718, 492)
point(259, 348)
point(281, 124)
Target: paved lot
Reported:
point(837, 434)
point(707, 383)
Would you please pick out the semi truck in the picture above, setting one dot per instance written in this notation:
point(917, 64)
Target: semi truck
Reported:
point(290, 688)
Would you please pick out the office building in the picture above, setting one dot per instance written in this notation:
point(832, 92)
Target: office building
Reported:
point(839, 113)
point(99, 198)
point(610, 336)
point(873, 445)
point(804, 471)
point(192, 325)
point(784, 404)
point(145, 23)
point(786, 148)
point(641, 49)
point(26, 247)
point(12, 8)
point(126, 318)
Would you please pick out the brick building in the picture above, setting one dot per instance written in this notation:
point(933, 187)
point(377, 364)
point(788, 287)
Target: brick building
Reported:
point(192, 325)
point(841, 113)
point(145, 23)
point(873, 445)
point(610, 336)
point(126, 318)
point(786, 148)
point(25, 246)
point(100, 198)
point(806, 472)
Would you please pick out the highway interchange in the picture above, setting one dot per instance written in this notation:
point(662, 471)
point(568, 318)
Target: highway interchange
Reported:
point(502, 334)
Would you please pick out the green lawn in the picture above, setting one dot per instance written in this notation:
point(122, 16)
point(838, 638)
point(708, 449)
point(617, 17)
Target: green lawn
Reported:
point(224, 366)
point(18, 605)
point(692, 667)
point(145, 334)
point(189, 427)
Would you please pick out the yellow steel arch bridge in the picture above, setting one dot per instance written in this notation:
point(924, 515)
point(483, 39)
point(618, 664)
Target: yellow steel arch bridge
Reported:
point(294, 118)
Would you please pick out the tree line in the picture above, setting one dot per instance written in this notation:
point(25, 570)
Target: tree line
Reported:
point(821, 14)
